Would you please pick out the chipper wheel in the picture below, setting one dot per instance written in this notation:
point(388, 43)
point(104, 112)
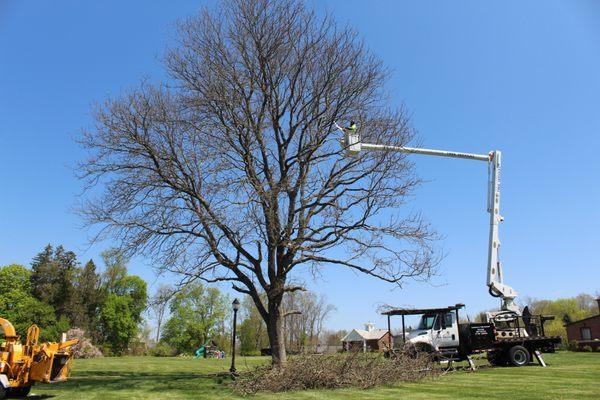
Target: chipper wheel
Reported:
point(20, 392)
point(519, 356)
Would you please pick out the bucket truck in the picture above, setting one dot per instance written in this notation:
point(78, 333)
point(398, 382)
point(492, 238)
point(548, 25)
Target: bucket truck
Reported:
point(509, 335)
point(495, 278)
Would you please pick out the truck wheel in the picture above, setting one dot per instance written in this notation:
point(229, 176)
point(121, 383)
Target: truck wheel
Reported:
point(519, 356)
point(497, 358)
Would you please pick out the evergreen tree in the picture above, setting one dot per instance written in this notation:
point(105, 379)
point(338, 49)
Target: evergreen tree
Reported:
point(44, 276)
point(89, 294)
point(53, 274)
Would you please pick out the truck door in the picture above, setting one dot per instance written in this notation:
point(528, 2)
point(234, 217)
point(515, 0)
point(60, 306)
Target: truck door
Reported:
point(446, 334)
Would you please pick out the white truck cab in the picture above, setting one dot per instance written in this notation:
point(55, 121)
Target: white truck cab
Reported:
point(436, 330)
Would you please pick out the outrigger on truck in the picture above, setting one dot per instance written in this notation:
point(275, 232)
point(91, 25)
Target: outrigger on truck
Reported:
point(507, 341)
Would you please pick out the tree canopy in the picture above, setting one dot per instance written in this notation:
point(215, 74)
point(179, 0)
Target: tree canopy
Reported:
point(198, 314)
point(22, 308)
point(565, 310)
point(58, 294)
point(233, 170)
point(118, 323)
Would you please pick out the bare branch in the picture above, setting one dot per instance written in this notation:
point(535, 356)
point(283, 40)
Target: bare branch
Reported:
point(233, 170)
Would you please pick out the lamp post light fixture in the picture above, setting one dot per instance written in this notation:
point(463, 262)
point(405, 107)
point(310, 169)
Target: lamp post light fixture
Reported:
point(236, 306)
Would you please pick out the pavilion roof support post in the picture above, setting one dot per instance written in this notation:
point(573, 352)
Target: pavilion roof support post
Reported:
point(390, 333)
point(403, 331)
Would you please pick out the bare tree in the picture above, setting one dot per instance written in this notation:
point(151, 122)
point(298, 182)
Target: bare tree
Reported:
point(323, 311)
point(334, 338)
point(306, 313)
point(233, 170)
point(586, 301)
point(159, 304)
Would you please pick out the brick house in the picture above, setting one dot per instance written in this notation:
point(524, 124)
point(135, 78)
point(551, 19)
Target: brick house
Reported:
point(369, 339)
point(586, 332)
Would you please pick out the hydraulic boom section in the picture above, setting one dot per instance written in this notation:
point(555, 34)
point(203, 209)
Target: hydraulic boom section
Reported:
point(495, 278)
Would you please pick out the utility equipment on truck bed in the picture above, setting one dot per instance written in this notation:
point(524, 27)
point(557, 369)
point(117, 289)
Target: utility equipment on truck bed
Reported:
point(23, 364)
point(513, 341)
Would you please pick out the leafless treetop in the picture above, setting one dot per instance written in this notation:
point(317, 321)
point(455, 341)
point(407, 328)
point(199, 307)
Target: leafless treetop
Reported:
point(233, 169)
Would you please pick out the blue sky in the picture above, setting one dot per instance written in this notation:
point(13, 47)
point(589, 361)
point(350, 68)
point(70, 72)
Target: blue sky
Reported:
point(519, 76)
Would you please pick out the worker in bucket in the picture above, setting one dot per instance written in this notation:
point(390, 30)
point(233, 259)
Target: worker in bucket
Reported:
point(352, 127)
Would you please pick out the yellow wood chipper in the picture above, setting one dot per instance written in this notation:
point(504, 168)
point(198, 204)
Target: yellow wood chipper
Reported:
point(23, 364)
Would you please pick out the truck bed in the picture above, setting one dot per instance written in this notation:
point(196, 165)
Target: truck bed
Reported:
point(481, 337)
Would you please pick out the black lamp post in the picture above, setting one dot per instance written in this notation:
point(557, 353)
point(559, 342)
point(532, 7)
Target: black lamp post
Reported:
point(236, 307)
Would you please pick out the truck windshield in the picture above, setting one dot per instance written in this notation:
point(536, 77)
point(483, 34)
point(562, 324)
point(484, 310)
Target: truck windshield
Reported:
point(426, 322)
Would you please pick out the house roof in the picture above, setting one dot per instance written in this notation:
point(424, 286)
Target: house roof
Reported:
point(584, 319)
point(361, 334)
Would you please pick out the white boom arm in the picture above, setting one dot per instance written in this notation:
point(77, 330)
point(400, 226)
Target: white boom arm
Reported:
point(494, 269)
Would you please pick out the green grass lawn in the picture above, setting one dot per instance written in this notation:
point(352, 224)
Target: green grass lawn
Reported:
point(568, 376)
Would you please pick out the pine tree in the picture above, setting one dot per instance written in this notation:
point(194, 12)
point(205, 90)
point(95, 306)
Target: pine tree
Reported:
point(53, 274)
point(89, 294)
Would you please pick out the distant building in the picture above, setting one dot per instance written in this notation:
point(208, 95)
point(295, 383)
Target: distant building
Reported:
point(369, 339)
point(586, 332)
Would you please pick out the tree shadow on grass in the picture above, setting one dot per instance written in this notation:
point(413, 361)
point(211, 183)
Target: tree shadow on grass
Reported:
point(112, 381)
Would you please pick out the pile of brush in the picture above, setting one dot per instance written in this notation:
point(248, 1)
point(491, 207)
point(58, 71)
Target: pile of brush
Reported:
point(337, 371)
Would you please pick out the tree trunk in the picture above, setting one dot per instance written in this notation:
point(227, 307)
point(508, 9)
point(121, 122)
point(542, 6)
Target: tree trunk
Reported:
point(276, 334)
point(158, 324)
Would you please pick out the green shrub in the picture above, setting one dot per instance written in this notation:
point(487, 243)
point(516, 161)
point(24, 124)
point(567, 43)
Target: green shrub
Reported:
point(106, 351)
point(587, 349)
point(137, 350)
point(250, 353)
point(163, 350)
point(573, 346)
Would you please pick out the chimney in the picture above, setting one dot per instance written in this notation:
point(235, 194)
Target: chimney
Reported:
point(369, 326)
point(598, 301)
